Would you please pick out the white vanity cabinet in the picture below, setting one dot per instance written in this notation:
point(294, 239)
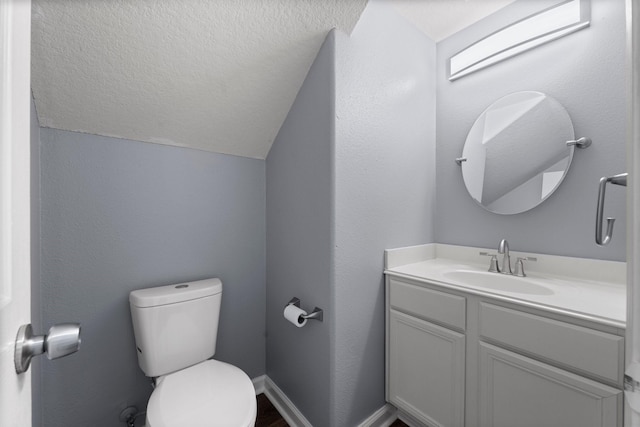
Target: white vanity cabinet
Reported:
point(457, 359)
point(426, 361)
point(517, 387)
point(519, 391)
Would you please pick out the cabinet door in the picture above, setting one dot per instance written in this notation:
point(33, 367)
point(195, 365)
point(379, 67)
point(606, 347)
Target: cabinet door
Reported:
point(516, 391)
point(426, 370)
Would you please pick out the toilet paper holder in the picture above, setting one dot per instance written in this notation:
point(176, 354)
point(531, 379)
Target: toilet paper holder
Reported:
point(316, 314)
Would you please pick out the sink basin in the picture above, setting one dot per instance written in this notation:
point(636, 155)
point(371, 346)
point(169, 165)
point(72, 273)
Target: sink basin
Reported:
point(498, 282)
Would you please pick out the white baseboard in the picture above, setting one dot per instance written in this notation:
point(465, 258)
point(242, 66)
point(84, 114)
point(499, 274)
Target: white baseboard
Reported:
point(383, 417)
point(408, 419)
point(258, 384)
point(287, 409)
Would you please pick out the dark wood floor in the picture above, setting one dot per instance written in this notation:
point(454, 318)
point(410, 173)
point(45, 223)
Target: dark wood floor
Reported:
point(398, 423)
point(268, 416)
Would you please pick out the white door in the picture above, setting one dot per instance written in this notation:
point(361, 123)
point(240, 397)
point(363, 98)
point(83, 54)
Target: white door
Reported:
point(15, 274)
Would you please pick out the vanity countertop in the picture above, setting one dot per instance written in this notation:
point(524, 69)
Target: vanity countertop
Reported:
point(593, 290)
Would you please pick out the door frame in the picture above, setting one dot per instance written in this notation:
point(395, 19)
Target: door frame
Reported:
point(15, 195)
point(632, 347)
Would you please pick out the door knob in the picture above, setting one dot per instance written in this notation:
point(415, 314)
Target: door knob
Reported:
point(62, 340)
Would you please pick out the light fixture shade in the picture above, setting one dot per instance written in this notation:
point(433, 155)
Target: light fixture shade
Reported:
point(545, 26)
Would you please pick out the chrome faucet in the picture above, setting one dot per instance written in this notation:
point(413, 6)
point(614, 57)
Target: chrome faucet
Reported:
point(506, 259)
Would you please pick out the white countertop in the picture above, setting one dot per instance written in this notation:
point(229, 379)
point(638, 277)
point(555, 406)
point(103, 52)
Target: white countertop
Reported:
point(602, 300)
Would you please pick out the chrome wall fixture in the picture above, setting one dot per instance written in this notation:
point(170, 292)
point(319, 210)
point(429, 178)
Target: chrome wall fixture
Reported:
point(620, 179)
point(316, 314)
point(545, 26)
point(583, 142)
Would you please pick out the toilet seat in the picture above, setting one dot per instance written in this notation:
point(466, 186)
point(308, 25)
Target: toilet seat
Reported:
point(209, 394)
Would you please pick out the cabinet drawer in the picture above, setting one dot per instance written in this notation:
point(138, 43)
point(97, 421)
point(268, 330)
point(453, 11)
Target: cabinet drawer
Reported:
point(587, 350)
point(439, 307)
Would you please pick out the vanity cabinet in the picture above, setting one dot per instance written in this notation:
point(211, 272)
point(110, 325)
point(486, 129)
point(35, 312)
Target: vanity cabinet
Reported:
point(457, 359)
point(519, 391)
point(426, 353)
point(426, 366)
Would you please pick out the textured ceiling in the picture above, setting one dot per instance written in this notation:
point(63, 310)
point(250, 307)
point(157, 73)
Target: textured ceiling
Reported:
point(441, 18)
point(215, 75)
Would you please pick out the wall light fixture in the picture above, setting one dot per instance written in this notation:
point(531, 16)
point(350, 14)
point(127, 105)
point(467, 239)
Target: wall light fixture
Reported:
point(542, 27)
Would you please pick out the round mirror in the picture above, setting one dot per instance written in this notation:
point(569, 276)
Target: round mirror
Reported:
point(516, 153)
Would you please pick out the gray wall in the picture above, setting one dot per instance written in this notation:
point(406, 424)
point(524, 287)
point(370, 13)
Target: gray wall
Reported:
point(119, 215)
point(585, 72)
point(299, 245)
point(36, 307)
point(350, 174)
point(384, 190)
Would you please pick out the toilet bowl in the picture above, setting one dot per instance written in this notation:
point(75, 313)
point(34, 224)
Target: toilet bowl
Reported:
point(175, 329)
point(211, 393)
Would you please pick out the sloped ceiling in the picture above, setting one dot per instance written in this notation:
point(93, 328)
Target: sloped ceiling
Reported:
point(215, 75)
point(441, 18)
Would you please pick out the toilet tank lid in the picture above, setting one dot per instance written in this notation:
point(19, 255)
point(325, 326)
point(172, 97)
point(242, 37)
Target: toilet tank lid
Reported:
point(171, 294)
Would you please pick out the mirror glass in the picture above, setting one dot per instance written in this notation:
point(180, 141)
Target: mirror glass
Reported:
point(516, 152)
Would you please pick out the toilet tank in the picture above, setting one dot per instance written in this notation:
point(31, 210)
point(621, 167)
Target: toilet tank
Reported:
point(175, 326)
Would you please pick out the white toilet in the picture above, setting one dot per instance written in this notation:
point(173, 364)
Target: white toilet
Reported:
point(175, 328)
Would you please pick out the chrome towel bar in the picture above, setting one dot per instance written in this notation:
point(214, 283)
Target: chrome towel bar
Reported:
point(620, 179)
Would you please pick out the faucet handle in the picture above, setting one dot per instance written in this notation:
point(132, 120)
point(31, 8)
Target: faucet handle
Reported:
point(519, 270)
point(493, 262)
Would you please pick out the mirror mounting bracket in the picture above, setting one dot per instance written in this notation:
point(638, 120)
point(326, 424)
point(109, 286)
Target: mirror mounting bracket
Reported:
point(583, 142)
